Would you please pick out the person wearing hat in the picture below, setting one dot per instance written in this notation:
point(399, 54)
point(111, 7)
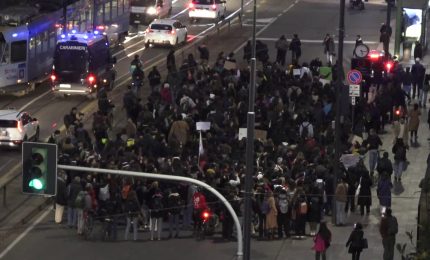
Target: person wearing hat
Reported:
point(281, 48)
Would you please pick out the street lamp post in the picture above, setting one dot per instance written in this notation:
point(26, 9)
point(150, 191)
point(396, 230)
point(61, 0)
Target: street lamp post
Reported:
point(250, 146)
point(339, 86)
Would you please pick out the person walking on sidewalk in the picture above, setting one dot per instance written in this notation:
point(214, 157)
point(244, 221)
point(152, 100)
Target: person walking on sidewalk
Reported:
point(328, 43)
point(281, 48)
point(322, 242)
point(372, 143)
point(399, 151)
point(340, 200)
point(418, 73)
point(388, 229)
point(365, 193)
point(384, 191)
point(60, 197)
point(355, 241)
point(414, 123)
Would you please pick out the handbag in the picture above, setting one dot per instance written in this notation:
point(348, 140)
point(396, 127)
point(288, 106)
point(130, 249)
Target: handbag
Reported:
point(364, 243)
point(357, 191)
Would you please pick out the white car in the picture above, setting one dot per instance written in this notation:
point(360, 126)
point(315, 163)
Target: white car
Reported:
point(17, 127)
point(166, 32)
point(211, 9)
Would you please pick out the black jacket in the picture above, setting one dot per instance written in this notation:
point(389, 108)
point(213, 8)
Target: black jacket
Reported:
point(61, 196)
point(355, 241)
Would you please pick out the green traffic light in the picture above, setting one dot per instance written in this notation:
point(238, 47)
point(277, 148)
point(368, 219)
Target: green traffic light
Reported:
point(36, 184)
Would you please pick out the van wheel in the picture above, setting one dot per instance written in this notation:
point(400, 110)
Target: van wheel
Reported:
point(36, 135)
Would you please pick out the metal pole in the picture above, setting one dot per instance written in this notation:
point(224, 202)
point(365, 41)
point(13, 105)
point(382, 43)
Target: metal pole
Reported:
point(388, 24)
point(399, 21)
point(94, 15)
point(241, 11)
point(170, 178)
point(250, 145)
point(64, 16)
point(339, 86)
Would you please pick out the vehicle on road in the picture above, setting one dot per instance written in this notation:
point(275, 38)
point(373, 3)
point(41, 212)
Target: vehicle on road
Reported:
point(143, 12)
point(209, 9)
point(29, 33)
point(82, 62)
point(166, 32)
point(17, 127)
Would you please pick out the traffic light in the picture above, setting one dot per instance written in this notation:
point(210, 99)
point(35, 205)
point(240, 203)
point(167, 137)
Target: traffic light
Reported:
point(39, 168)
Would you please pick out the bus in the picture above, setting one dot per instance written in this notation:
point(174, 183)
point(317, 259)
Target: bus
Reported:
point(28, 35)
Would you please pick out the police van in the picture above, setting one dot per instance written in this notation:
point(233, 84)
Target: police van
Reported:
point(82, 64)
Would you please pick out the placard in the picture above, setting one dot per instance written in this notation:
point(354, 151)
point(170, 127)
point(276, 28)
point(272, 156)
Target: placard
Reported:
point(203, 126)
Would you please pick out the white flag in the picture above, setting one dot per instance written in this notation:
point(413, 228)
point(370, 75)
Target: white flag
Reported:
point(201, 150)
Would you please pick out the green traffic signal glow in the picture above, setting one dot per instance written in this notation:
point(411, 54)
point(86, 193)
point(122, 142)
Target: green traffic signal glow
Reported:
point(36, 184)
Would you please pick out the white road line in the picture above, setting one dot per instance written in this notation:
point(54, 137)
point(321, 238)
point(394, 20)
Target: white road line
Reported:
point(267, 25)
point(314, 41)
point(34, 100)
point(178, 14)
point(23, 234)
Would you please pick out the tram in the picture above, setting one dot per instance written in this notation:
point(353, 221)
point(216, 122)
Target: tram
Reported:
point(29, 34)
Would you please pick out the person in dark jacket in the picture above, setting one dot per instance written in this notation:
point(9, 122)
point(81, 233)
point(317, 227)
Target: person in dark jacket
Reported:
point(247, 51)
point(281, 50)
point(204, 53)
point(388, 230)
point(407, 83)
point(315, 209)
point(385, 165)
point(72, 192)
point(295, 48)
point(132, 209)
point(171, 61)
point(154, 78)
point(173, 210)
point(156, 207)
point(418, 50)
point(399, 151)
point(60, 197)
point(418, 73)
point(355, 241)
point(365, 194)
point(372, 143)
point(384, 191)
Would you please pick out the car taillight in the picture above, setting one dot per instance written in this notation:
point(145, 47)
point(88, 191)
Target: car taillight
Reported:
point(173, 31)
point(20, 127)
point(148, 30)
point(205, 215)
point(214, 7)
point(91, 79)
point(191, 5)
point(53, 77)
point(100, 27)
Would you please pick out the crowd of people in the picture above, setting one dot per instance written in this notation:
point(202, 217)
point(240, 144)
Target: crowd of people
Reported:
point(294, 181)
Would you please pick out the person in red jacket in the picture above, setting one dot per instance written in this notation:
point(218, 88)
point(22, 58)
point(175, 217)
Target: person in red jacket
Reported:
point(199, 205)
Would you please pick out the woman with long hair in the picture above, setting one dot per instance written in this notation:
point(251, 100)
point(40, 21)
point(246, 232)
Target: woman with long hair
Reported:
point(322, 241)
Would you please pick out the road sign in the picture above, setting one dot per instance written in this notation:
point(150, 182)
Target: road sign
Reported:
point(354, 77)
point(354, 90)
point(353, 101)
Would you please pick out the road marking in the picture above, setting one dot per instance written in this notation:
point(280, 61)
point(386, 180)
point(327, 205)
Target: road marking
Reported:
point(23, 234)
point(267, 25)
point(314, 41)
point(34, 100)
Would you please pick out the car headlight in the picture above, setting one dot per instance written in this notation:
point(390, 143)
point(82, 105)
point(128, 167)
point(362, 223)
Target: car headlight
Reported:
point(151, 10)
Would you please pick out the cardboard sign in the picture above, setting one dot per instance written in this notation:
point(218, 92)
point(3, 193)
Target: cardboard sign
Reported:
point(229, 65)
point(203, 126)
point(258, 134)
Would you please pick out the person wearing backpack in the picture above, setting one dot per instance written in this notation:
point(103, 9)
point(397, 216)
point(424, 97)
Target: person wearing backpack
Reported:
point(132, 209)
point(72, 192)
point(174, 205)
point(283, 211)
point(306, 130)
point(156, 209)
point(388, 229)
point(399, 151)
point(322, 241)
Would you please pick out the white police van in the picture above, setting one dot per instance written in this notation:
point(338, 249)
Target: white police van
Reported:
point(82, 63)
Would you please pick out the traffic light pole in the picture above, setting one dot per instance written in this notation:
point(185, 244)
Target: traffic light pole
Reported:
point(156, 176)
point(339, 86)
point(399, 20)
point(250, 144)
